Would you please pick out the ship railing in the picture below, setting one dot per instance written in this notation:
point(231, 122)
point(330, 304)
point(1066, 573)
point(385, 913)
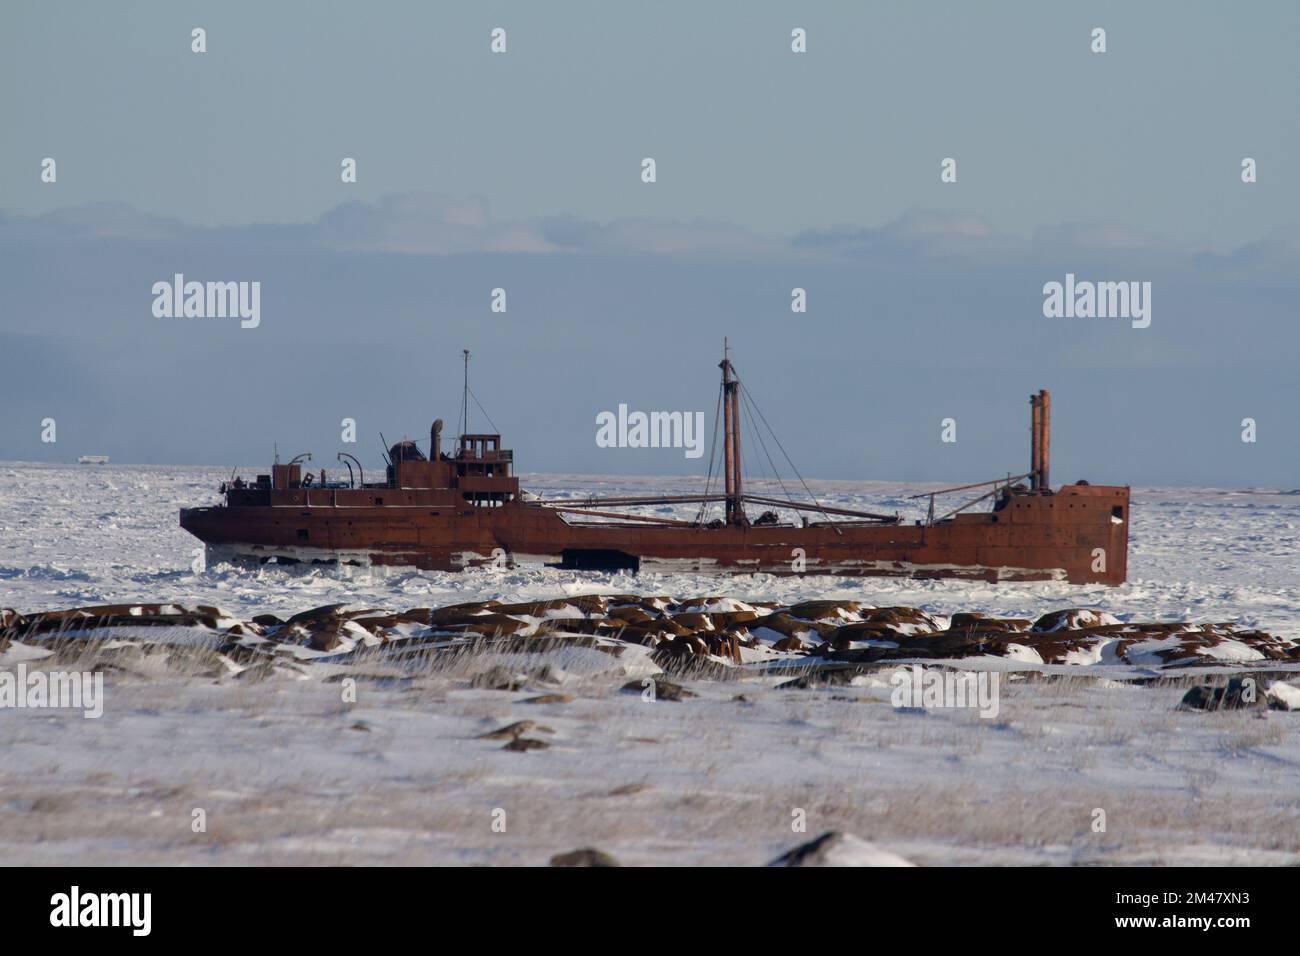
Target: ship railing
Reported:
point(580, 505)
point(998, 485)
point(503, 454)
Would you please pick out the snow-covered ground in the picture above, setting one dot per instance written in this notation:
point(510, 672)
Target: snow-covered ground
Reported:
point(286, 770)
point(287, 773)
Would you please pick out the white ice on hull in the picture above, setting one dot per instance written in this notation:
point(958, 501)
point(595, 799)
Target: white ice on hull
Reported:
point(649, 564)
point(231, 553)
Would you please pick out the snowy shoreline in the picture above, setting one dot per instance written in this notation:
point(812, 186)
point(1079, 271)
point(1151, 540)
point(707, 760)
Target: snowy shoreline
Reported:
point(287, 770)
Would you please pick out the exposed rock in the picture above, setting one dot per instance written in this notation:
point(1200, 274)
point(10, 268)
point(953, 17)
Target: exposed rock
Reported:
point(488, 625)
point(971, 621)
point(685, 644)
point(325, 639)
point(510, 731)
point(256, 673)
point(548, 699)
point(586, 604)
point(548, 673)
point(318, 616)
point(497, 677)
point(830, 611)
point(696, 638)
point(1073, 619)
point(839, 849)
point(670, 626)
point(663, 689)
point(584, 857)
point(644, 634)
point(264, 670)
point(631, 614)
point(903, 620)
point(459, 613)
point(378, 623)
point(817, 680)
point(1238, 694)
point(578, 625)
point(731, 619)
point(627, 790)
point(526, 743)
point(102, 616)
point(694, 621)
point(787, 625)
point(394, 679)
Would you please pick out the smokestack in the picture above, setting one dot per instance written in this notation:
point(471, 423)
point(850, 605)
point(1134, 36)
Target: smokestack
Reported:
point(1045, 440)
point(435, 440)
point(1035, 440)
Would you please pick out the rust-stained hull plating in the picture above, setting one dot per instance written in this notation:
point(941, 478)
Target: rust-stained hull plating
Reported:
point(1078, 534)
point(448, 512)
point(1070, 536)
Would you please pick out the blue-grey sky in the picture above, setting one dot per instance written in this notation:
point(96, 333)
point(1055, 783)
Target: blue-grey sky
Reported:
point(1150, 133)
point(775, 170)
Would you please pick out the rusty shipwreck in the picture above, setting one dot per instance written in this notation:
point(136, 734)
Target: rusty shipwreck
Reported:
point(449, 511)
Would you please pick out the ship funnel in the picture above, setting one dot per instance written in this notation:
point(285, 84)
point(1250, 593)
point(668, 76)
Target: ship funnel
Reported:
point(1040, 429)
point(435, 440)
point(1045, 440)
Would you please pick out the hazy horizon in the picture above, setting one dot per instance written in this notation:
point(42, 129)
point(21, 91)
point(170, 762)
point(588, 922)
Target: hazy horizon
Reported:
point(333, 467)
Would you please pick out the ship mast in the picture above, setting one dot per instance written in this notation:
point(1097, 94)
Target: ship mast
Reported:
point(735, 511)
point(464, 406)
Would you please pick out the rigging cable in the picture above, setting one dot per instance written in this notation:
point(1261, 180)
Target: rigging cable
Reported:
point(763, 445)
point(786, 454)
point(713, 453)
point(485, 414)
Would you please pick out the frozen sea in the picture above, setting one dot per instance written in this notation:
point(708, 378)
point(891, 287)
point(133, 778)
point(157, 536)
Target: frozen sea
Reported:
point(80, 534)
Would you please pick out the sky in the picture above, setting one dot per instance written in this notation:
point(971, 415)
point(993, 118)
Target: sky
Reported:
point(774, 170)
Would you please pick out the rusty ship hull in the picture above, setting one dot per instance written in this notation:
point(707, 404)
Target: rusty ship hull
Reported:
point(1077, 534)
point(465, 509)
